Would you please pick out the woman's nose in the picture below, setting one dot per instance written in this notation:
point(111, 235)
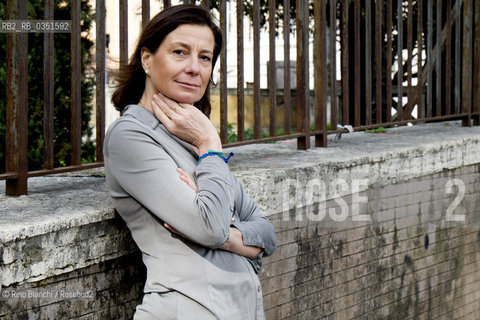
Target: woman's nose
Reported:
point(193, 65)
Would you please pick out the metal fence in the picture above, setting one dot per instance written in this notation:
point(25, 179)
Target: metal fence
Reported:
point(398, 61)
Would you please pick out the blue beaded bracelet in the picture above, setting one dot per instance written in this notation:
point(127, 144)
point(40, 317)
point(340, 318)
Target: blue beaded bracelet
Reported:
point(216, 153)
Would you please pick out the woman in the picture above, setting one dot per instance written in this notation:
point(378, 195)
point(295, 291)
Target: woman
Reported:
point(202, 238)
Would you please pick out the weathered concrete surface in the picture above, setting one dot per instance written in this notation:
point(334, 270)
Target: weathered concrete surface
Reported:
point(56, 202)
point(402, 154)
point(409, 262)
point(67, 223)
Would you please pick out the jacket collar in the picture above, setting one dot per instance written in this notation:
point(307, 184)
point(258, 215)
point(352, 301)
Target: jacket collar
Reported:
point(143, 115)
point(148, 118)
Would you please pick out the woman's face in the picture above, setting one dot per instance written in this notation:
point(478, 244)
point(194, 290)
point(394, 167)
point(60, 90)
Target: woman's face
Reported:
point(181, 67)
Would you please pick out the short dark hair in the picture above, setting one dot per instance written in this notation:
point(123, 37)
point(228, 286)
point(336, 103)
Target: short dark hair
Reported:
point(131, 78)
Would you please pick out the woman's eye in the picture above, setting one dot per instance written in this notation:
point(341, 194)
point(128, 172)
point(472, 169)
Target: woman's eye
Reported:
point(179, 52)
point(206, 58)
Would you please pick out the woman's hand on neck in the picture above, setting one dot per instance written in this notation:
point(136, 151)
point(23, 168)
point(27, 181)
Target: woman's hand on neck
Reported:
point(186, 122)
point(181, 119)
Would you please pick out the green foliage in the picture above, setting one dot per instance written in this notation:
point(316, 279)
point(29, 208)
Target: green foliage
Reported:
point(377, 130)
point(62, 87)
point(312, 126)
point(232, 135)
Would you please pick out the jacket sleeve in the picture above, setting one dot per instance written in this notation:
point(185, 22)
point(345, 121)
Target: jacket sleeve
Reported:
point(145, 172)
point(256, 229)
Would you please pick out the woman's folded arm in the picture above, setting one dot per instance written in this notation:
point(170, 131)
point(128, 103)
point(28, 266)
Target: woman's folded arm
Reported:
point(148, 174)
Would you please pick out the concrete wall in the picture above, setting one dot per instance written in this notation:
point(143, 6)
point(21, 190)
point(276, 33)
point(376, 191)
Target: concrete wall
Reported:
point(409, 263)
point(368, 228)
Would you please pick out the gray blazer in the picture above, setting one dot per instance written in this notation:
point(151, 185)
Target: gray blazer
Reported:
point(141, 158)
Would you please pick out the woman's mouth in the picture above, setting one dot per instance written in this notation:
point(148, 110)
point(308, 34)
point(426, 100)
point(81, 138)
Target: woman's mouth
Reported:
point(188, 84)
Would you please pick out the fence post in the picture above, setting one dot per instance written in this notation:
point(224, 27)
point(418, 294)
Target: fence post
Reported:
point(303, 89)
point(223, 75)
point(256, 71)
point(48, 90)
point(467, 62)
point(476, 64)
point(76, 107)
point(100, 71)
point(240, 74)
point(286, 66)
point(272, 74)
point(17, 99)
point(320, 72)
point(145, 11)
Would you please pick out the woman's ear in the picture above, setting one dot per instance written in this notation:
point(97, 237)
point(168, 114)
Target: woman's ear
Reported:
point(146, 56)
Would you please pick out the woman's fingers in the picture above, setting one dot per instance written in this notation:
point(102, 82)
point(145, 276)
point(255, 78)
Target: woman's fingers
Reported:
point(169, 106)
point(186, 178)
point(168, 111)
point(160, 113)
point(173, 230)
point(187, 123)
point(172, 104)
point(165, 114)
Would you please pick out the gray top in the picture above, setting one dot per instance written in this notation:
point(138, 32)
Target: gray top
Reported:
point(141, 158)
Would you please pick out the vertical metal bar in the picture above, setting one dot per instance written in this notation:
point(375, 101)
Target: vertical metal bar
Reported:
point(467, 62)
point(145, 12)
point(123, 20)
point(272, 76)
point(388, 58)
point(476, 63)
point(166, 3)
point(458, 43)
point(420, 104)
point(333, 64)
point(76, 76)
point(357, 89)
point(48, 89)
point(378, 60)
point(205, 4)
point(438, 62)
point(100, 77)
point(410, 56)
point(368, 61)
point(223, 75)
point(429, 57)
point(320, 72)
point(400, 60)
point(345, 66)
point(256, 70)
point(286, 65)
point(448, 60)
point(303, 106)
point(17, 102)
point(240, 75)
